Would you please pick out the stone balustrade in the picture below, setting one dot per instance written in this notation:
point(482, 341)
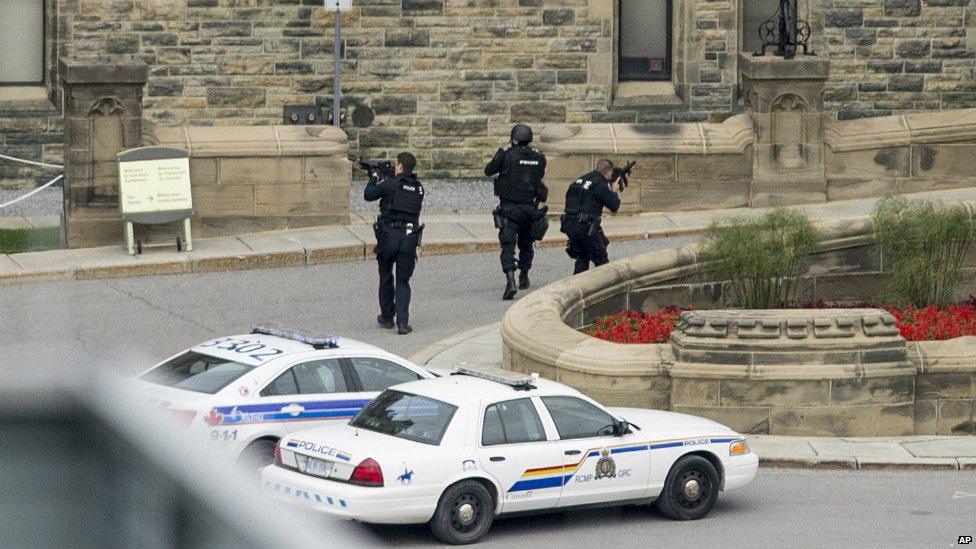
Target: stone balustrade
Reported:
point(699, 166)
point(848, 375)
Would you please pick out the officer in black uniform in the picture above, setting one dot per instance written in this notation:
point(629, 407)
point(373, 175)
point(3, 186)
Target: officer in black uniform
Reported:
point(585, 200)
point(398, 233)
point(519, 218)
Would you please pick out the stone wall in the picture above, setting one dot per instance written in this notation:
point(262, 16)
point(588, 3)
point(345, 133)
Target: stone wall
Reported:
point(30, 128)
point(448, 77)
point(823, 385)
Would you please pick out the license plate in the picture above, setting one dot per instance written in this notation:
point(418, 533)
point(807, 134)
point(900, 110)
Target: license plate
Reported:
point(319, 467)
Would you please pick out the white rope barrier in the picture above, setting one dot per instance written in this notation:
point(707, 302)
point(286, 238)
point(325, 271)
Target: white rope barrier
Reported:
point(30, 162)
point(32, 193)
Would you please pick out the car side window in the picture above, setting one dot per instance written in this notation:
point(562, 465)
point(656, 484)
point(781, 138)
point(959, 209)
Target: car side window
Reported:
point(319, 376)
point(377, 374)
point(511, 422)
point(577, 418)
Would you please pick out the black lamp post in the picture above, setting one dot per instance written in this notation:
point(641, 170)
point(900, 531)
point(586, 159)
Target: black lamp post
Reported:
point(786, 31)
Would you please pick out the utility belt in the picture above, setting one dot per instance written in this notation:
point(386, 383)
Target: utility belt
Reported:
point(590, 221)
point(408, 226)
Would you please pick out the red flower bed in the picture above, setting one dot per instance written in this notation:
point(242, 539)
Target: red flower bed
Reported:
point(925, 324)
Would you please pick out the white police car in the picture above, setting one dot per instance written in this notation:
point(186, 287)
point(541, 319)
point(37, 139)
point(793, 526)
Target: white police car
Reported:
point(245, 392)
point(461, 449)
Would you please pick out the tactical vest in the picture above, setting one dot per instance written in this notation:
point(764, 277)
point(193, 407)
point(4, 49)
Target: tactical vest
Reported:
point(579, 198)
point(406, 201)
point(523, 171)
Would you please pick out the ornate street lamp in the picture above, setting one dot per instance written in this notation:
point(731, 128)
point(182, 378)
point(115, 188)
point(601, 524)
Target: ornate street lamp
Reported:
point(786, 31)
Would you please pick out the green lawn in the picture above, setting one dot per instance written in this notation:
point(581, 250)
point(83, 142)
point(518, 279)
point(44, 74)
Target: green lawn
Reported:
point(14, 241)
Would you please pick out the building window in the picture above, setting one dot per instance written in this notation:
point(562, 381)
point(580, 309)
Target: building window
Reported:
point(22, 42)
point(754, 14)
point(645, 40)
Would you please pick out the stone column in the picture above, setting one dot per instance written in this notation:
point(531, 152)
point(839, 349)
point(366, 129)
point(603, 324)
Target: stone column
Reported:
point(785, 99)
point(103, 116)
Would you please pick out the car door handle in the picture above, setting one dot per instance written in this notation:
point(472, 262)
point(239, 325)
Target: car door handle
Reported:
point(293, 409)
point(497, 458)
point(572, 452)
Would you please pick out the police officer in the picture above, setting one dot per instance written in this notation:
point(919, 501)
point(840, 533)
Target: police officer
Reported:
point(398, 232)
point(585, 200)
point(519, 218)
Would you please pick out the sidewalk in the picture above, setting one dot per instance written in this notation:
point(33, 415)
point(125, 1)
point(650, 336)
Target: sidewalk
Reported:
point(445, 233)
point(482, 347)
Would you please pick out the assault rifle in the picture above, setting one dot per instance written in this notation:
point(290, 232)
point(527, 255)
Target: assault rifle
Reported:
point(624, 174)
point(383, 167)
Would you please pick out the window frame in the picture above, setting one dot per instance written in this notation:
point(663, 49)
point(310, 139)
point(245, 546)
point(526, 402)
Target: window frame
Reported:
point(352, 382)
point(44, 29)
point(556, 425)
point(533, 406)
point(667, 72)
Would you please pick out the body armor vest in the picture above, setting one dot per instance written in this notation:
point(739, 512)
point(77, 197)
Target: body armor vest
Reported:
point(523, 171)
point(406, 201)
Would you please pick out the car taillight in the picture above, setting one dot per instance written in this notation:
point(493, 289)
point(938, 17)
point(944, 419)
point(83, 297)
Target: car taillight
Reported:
point(277, 452)
point(367, 473)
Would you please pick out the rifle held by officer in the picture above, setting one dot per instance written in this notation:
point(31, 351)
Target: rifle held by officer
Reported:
point(382, 167)
point(623, 174)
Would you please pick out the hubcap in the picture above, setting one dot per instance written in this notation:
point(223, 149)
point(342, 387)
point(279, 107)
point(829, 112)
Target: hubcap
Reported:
point(466, 513)
point(693, 489)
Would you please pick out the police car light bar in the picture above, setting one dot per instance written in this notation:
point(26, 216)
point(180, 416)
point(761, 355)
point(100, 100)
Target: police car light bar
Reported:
point(498, 375)
point(317, 341)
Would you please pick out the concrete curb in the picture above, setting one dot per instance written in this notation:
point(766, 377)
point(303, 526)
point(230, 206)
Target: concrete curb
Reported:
point(305, 256)
point(425, 355)
point(868, 464)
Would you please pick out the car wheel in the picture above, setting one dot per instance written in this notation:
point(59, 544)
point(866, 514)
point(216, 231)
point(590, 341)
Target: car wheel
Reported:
point(258, 455)
point(690, 490)
point(464, 514)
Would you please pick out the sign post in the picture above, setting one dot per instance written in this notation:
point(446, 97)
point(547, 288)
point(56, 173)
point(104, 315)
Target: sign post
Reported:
point(154, 188)
point(339, 6)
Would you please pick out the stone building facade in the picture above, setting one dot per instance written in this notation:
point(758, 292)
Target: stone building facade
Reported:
point(447, 78)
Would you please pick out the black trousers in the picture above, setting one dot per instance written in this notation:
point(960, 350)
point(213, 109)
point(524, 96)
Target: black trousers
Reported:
point(396, 251)
point(515, 231)
point(586, 248)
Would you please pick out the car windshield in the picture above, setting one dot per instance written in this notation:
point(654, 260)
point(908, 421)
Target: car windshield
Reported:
point(406, 416)
point(196, 372)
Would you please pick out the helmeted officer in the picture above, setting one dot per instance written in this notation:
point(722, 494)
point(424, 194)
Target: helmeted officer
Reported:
point(398, 233)
point(585, 200)
point(519, 218)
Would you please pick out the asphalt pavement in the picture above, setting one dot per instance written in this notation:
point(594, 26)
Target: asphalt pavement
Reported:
point(126, 325)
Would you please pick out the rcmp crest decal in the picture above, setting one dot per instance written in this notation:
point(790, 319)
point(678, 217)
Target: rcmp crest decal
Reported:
point(605, 466)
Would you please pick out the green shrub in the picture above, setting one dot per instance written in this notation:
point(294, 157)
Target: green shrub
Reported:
point(760, 258)
point(922, 246)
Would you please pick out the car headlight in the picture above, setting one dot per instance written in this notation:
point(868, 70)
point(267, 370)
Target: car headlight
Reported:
point(738, 448)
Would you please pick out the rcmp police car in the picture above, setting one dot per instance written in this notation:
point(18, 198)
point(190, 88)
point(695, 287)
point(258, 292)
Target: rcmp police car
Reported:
point(459, 450)
point(245, 392)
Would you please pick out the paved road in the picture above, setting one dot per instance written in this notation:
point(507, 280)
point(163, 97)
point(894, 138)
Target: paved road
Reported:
point(128, 324)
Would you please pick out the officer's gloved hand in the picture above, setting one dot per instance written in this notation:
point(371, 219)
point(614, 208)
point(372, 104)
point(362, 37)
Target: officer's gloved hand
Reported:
point(615, 186)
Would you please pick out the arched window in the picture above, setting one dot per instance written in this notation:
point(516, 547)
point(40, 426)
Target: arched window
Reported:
point(645, 40)
point(22, 42)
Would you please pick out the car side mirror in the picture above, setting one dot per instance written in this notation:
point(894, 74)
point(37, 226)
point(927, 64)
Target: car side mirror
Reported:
point(620, 428)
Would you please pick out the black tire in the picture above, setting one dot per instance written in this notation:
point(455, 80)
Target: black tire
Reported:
point(258, 455)
point(690, 490)
point(450, 523)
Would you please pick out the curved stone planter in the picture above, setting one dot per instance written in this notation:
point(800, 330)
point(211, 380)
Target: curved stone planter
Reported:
point(933, 392)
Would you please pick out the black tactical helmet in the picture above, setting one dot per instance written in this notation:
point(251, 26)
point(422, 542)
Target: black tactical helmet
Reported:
point(521, 133)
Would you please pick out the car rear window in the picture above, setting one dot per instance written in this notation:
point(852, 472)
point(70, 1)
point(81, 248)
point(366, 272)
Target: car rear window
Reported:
point(196, 372)
point(406, 416)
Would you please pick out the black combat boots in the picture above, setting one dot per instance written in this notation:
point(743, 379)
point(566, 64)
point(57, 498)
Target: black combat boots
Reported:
point(524, 279)
point(510, 288)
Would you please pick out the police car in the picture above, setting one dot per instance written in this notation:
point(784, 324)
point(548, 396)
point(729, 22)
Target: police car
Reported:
point(245, 392)
point(459, 450)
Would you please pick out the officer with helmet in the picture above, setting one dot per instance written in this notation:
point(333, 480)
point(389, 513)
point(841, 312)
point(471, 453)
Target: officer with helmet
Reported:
point(398, 233)
point(519, 218)
point(585, 199)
